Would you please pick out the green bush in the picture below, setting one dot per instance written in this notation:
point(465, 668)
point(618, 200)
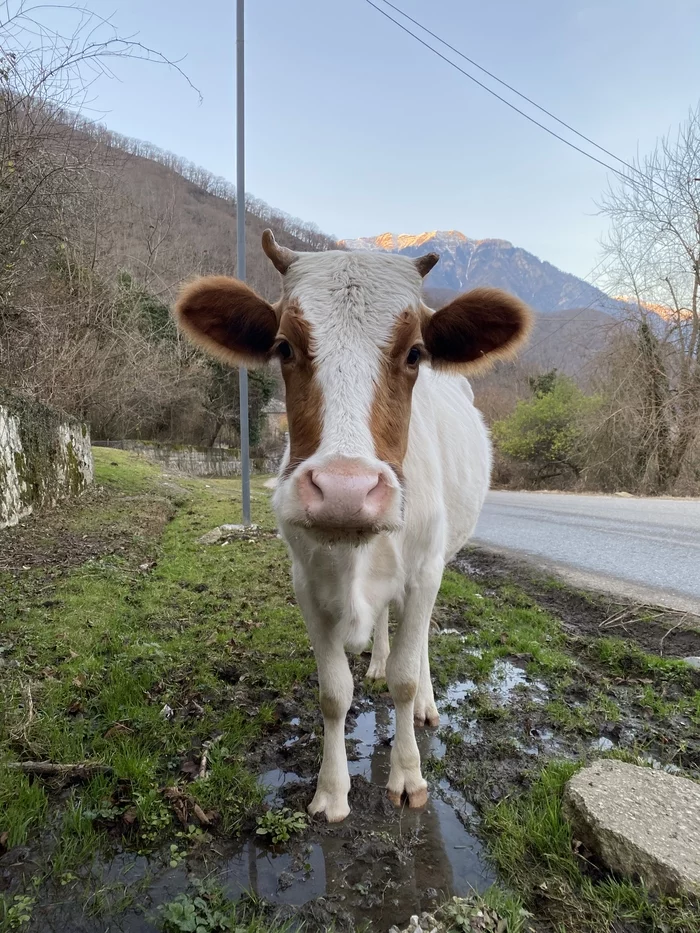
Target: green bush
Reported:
point(546, 431)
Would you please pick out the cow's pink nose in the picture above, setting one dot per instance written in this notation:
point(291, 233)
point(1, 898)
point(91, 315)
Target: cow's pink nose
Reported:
point(344, 495)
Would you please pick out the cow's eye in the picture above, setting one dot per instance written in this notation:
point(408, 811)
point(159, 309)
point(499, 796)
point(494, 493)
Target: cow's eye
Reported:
point(414, 356)
point(284, 350)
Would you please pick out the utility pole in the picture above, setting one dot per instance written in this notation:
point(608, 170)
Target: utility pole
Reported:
point(240, 250)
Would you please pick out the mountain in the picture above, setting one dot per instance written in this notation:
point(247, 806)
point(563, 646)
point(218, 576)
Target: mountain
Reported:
point(466, 263)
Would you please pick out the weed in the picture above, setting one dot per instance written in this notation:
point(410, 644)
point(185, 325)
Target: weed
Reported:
point(176, 855)
point(494, 912)
point(206, 911)
point(154, 818)
point(15, 912)
point(280, 825)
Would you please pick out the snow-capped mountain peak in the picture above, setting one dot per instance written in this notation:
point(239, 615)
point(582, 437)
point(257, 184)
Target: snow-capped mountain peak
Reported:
point(466, 263)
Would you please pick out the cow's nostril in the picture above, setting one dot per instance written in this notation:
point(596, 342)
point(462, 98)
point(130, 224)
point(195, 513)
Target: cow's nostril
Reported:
point(317, 487)
point(310, 490)
point(377, 491)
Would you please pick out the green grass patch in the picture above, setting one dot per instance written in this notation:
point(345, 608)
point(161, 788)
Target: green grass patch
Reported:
point(135, 656)
point(625, 659)
point(506, 624)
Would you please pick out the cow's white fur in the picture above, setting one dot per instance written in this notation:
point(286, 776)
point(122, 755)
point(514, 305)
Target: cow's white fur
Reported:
point(351, 301)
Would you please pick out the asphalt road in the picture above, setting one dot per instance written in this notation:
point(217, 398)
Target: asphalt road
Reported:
point(646, 549)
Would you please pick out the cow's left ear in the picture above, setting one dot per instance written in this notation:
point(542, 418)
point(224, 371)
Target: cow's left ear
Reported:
point(476, 329)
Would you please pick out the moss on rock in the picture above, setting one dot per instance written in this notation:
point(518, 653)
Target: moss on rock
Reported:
point(44, 456)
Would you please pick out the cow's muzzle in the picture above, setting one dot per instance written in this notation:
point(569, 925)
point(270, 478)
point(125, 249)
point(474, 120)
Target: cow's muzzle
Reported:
point(348, 494)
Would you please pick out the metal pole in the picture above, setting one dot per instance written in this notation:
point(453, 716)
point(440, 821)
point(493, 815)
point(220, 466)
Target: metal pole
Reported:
point(240, 250)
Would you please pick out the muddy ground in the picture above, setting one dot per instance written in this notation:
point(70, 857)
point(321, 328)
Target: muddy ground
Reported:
point(528, 674)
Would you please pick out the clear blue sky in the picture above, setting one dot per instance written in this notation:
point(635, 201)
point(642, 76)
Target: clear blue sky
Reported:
point(353, 125)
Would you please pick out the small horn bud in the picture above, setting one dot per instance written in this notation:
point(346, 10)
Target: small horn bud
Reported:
point(280, 257)
point(425, 263)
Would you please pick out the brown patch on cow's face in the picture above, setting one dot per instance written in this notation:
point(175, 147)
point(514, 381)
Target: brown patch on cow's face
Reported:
point(391, 409)
point(304, 397)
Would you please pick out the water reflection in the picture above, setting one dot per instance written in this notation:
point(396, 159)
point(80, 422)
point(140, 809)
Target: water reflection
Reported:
point(382, 864)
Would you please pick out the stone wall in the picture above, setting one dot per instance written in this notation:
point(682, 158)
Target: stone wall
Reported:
point(44, 456)
point(197, 461)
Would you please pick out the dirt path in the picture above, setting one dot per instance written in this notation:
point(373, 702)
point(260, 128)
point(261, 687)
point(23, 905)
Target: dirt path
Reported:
point(184, 672)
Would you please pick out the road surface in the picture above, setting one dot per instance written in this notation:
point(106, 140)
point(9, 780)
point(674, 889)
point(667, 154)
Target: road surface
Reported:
point(646, 549)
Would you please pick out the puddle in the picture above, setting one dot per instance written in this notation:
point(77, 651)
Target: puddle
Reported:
point(507, 679)
point(381, 864)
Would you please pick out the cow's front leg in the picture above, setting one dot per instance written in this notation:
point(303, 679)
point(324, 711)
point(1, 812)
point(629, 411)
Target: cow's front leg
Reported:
point(380, 648)
point(403, 676)
point(335, 689)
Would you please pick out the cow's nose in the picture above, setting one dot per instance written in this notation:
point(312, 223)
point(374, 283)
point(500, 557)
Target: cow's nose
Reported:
point(344, 495)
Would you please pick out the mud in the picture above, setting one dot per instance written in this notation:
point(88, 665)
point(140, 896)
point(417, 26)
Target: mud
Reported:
point(48, 540)
point(584, 613)
point(380, 866)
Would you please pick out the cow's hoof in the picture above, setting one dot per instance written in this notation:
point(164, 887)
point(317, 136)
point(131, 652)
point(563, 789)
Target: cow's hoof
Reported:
point(416, 799)
point(376, 670)
point(426, 716)
point(334, 806)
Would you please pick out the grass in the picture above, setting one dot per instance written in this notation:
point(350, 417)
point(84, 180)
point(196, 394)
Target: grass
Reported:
point(625, 659)
point(532, 845)
point(506, 624)
point(134, 657)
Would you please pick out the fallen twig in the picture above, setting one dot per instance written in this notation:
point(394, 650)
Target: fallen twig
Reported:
point(205, 756)
point(672, 629)
point(53, 769)
point(29, 708)
point(630, 615)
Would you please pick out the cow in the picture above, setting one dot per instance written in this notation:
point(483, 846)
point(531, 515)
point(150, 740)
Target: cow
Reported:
point(387, 466)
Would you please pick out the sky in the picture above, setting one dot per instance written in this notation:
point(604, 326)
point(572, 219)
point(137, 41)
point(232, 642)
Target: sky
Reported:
point(353, 125)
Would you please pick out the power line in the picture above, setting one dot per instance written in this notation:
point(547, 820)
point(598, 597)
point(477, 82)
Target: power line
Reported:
point(495, 94)
point(522, 113)
point(509, 86)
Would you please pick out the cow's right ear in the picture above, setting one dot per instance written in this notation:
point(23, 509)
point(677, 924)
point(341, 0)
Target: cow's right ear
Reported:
point(227, 319)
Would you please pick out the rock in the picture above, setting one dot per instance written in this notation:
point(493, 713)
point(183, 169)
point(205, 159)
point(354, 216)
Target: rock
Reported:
point(694, 662)
point(640, 822)
point(227, 531)
point(211, 537)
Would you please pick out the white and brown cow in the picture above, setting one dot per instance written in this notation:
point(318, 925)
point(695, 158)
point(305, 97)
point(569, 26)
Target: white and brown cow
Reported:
point(387, 466)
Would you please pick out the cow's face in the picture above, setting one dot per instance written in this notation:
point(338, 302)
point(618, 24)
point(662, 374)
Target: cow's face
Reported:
point(350, 333)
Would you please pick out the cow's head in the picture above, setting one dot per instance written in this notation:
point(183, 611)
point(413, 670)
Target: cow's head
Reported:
point(350, 333)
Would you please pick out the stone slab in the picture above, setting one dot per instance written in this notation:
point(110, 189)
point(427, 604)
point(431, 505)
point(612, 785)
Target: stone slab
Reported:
point(640, 822)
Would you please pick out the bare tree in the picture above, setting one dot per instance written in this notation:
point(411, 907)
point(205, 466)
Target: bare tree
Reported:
point(96, 231)
point(654, 252)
